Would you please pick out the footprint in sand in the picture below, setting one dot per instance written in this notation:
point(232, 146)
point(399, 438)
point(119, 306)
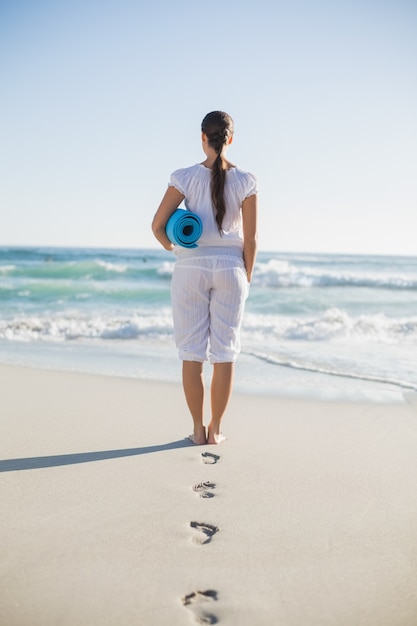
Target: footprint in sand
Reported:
point(202, 489)
point(197, 601)
point(209, 458)
point(207, 530)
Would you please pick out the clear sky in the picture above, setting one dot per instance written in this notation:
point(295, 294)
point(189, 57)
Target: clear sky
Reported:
point(102, 99)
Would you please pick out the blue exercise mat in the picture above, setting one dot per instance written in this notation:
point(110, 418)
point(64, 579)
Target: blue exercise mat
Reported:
point(184, 228)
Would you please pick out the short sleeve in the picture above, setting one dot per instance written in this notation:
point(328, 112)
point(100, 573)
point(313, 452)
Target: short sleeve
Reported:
point(176, 180)
point(251, 187)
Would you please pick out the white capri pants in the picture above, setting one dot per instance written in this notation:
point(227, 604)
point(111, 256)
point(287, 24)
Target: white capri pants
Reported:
point(208, 295)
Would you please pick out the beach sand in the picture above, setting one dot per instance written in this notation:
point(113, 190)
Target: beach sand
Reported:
point(310, 514)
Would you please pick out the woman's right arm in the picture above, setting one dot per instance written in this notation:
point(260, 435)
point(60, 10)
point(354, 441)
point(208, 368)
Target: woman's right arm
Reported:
point(250, 233)
point(171, 201)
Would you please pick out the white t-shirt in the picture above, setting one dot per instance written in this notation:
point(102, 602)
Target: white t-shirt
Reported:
point(194, 183)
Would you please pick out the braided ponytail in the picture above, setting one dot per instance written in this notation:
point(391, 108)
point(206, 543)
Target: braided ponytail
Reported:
point(218, 127)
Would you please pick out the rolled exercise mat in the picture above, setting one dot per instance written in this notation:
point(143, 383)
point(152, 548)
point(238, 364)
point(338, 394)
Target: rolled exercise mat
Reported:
point(184, 228)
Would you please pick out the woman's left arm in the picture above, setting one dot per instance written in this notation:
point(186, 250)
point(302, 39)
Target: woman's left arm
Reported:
point(250, 233)
point(171, 201)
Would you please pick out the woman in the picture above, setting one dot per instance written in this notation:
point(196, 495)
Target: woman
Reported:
point(210, 283)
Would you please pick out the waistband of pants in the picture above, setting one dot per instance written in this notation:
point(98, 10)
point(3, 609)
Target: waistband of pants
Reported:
point(207, 251)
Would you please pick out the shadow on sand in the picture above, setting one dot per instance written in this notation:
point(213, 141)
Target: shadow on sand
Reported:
point(38, 462)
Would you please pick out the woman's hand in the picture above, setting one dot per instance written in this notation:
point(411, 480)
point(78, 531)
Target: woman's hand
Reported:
point(171, 201)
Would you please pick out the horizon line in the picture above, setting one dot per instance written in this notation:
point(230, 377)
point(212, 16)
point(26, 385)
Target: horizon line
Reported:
point(159, 248)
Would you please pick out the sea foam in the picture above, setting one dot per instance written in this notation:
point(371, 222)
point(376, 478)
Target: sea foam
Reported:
point(279, 273)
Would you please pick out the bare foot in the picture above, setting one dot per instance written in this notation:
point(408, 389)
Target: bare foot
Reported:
point(214, 438)
point(198, 438)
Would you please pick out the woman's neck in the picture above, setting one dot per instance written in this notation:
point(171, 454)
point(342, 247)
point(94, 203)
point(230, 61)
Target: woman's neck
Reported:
point(210, 160)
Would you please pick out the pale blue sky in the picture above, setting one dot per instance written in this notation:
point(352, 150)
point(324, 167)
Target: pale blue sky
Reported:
point(101, 100)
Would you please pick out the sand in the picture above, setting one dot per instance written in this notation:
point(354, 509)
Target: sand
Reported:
point(309, 514)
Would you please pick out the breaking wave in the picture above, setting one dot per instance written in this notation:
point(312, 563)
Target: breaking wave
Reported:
point(333, 325)
point(279, 273)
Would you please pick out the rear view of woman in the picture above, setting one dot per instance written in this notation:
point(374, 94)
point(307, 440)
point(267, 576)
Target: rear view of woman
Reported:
point(210, 283)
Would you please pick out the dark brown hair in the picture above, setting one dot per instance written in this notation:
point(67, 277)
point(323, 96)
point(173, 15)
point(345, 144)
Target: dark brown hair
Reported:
point(218, 127)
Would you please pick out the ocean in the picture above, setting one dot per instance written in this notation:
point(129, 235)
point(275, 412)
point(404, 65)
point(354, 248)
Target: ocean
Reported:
point(314, 323)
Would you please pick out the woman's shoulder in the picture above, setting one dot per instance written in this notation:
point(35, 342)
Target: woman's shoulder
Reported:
point(242, 174)
point(243, 177)
point(188, 178)
point(243, 182)
point(186, 172)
